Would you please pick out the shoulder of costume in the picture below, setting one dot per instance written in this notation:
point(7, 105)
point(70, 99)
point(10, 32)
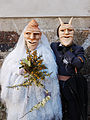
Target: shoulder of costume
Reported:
point(75, 47)
point(54, 44)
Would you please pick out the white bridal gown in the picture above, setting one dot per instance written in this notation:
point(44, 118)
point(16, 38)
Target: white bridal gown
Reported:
point(16, 101)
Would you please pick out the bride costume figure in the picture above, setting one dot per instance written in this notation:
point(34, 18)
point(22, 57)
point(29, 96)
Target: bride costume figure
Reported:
point(17, 102)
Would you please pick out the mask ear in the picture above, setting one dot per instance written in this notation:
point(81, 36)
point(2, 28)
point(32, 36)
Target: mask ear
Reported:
point(61, 22)
point(70, 21)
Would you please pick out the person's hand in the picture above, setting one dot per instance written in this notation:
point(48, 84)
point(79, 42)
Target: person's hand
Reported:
point(21, 71)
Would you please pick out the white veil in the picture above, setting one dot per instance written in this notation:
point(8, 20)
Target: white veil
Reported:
point(11, 65)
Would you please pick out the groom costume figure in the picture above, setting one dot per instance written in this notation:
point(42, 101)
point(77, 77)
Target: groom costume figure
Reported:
point(70, 59)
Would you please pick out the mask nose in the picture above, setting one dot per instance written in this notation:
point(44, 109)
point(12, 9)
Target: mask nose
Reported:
point(66, 32)
point(32, 36)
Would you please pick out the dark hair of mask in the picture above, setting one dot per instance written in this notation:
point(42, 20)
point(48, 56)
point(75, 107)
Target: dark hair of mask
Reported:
point(58, 29)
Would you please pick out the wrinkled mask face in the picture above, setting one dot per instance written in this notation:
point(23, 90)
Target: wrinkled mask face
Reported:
point(32, 39)
point(66, 34)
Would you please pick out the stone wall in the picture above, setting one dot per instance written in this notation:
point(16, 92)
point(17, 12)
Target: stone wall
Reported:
point(11, 28)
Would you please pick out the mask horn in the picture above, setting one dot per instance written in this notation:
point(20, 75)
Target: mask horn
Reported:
point(61, 22)
point(70, 21)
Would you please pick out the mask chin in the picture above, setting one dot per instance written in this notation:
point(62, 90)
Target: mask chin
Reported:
point(66, 43)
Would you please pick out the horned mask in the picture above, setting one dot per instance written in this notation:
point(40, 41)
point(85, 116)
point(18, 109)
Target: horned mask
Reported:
point(66, 33)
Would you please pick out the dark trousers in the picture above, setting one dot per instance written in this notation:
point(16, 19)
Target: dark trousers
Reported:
point(70, 105)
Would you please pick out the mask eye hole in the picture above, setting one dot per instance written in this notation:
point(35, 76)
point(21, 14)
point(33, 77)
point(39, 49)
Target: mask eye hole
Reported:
point(36, 34)
point(62, 30)
point(27, 33)
point(70, 30)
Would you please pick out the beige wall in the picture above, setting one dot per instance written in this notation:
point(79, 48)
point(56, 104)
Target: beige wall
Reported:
point(49, 24)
